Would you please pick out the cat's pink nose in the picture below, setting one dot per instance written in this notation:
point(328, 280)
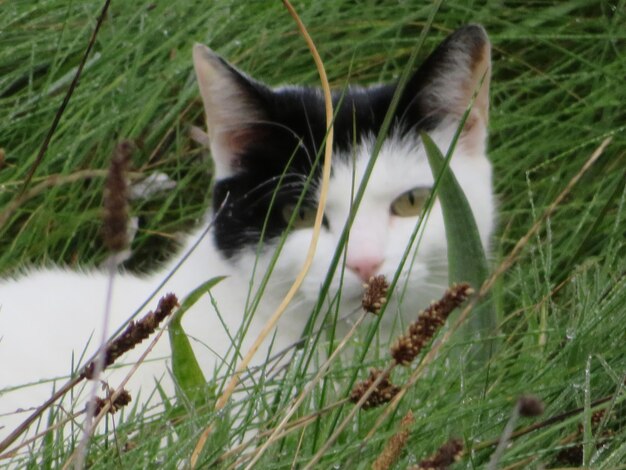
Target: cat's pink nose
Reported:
point(364, 267)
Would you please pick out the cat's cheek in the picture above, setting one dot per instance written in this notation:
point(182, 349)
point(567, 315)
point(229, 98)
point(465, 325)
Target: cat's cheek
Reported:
point(295, 250)
point(399, 240)
point(343, 279)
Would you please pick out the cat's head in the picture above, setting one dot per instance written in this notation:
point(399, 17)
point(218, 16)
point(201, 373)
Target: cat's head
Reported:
point(265, 142)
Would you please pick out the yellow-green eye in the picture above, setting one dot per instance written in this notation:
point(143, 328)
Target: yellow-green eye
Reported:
point(411, 203)
point(304, 217)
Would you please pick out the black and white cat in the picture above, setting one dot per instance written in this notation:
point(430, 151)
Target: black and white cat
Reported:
point(264, 143)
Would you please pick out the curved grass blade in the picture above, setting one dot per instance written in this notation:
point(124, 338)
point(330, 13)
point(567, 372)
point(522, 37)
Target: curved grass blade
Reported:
point(466, 257)
point(187, 373)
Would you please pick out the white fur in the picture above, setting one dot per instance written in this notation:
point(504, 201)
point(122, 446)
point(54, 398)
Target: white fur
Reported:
point(47, 316)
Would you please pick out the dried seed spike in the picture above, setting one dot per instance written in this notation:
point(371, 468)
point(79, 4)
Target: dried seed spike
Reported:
point(422, 330)
point(394, 445)
point(134, 334)
point(115, 218)
point(445, 456)
point(529, 406)
point(383, 393)
point(121, 401)
point(375, 294)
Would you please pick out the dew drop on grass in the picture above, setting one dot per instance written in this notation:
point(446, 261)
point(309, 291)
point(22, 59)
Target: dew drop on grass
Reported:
point(570, 334)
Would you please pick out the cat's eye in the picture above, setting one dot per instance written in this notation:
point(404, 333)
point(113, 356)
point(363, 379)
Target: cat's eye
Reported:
point(410, 203)
point(304, 217)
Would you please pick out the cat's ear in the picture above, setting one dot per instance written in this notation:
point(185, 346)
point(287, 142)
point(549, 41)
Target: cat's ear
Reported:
point(446, 82)
point(233, 106)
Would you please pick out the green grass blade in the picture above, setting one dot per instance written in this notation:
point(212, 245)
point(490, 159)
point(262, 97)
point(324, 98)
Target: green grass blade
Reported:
point(187, 373)
point(466, 257)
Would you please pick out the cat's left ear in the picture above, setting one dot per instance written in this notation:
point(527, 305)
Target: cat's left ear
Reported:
point(233, 107)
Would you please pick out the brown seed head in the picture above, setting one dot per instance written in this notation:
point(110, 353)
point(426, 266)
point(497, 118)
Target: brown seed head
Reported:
point(121, 401)
point(134, 334)
point(383, 393)
point(115, 218)
point(529, 406)
point(395, 444)
point(422, 330)
point(445, 456)
point(375, 294)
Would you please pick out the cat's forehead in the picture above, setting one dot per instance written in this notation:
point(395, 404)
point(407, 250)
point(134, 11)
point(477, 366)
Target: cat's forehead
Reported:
point(401, 165)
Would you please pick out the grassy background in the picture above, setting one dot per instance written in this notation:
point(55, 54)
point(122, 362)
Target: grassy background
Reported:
point(558, 90)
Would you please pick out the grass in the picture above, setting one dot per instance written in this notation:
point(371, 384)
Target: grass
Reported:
point(557, 92)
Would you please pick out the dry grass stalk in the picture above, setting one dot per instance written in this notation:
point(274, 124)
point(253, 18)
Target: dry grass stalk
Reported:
point(319, 217)
point(134, 334)
point(375, 294)
point(445, 456)
point(383, 393)
point(115, 217)
point(422, 330)
point(395, 445)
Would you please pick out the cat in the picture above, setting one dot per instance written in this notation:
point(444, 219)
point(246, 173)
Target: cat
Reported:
point(264, 143)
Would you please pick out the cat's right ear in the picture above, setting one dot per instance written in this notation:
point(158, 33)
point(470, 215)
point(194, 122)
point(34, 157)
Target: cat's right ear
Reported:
point(233, 106)
point(456, 74)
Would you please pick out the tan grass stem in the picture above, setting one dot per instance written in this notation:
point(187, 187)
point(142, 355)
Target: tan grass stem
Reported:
point(319, 217)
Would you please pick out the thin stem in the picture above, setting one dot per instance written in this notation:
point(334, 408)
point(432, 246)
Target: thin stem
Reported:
point(99, 366)
point(308, 389)
point(122, 384)
point(319, 217)
point(320, 453)
point(66, 99)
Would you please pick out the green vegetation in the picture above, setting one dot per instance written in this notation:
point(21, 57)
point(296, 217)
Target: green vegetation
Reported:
point(557, 92)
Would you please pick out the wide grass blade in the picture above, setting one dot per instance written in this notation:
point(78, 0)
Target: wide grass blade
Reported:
point(466, 257)
point(189, 378)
